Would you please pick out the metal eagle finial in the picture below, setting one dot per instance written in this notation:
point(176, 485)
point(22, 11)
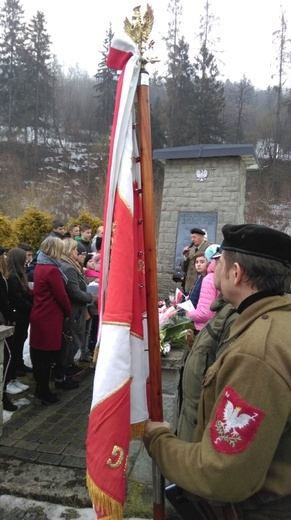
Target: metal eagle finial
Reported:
point(139, 30)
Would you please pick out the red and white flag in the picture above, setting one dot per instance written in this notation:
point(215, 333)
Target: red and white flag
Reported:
point(119, 394)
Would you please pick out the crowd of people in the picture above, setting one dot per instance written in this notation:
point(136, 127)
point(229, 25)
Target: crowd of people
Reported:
point(50, 296)
point(229, 455)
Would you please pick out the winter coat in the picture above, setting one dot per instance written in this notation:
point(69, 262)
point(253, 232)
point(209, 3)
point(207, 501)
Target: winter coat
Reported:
point(208, 345)
point(50, 306)
point(242, 443)
point(79, 298)
point(85, 243)
point(92, 276)
point(195, 291)
point(6, 312)
point(20, 300)
point(208, 294)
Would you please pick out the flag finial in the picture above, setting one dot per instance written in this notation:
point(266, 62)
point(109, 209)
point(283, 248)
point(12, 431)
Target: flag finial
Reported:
point(139, 30)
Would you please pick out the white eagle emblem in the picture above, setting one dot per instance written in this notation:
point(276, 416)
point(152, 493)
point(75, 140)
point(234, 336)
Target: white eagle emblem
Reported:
point(201, 175)
point(233, 420)
point(235, 423)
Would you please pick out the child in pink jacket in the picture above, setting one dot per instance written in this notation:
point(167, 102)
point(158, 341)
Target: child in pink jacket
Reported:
point(208, 294)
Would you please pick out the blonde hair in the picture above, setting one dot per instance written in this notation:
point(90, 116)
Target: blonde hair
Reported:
point(69, 244)
point(52, 246)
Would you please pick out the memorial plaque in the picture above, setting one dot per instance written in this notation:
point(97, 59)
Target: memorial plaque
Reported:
point(188, 220)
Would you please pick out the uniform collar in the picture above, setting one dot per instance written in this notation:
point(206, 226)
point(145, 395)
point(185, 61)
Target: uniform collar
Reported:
point(252, 299)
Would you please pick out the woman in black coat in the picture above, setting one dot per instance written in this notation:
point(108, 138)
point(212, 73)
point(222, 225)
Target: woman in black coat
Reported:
point(21, 302)
point(6, 318)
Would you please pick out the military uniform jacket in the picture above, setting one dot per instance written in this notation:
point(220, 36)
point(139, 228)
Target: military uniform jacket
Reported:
point(208, 346)
point(242, 443)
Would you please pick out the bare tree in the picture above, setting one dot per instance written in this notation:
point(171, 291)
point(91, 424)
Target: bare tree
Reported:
point(239, 106)
point(283, 62)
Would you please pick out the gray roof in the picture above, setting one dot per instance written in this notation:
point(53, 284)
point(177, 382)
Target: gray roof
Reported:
point(245, 151)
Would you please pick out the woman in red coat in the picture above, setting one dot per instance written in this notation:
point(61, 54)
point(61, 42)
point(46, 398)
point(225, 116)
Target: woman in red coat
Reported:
point(51, 306)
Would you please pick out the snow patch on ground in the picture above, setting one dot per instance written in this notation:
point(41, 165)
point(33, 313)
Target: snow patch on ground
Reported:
point(52, 511)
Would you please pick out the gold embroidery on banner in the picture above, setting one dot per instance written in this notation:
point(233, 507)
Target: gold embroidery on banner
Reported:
point(113, 231)
point(137, 430)
point(125, 202)
point(135, 335)
point(116, 452)
point(121, 324)
point(141, 266)
point(111, 393)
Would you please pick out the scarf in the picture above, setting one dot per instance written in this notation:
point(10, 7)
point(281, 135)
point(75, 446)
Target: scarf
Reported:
point(72, 262)
point(44, 259)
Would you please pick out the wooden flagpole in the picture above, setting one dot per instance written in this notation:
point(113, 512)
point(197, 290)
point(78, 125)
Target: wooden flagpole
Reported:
point(139, 32)
point(150, 245)
point(151, 277)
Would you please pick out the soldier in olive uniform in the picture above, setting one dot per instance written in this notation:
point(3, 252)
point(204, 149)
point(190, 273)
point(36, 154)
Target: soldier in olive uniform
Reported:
point(239, 463)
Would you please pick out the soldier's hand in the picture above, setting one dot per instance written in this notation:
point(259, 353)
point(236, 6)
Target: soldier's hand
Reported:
point(153, 425)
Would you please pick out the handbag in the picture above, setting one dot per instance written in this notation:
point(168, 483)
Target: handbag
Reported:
point(66, 345)
point(178, 275)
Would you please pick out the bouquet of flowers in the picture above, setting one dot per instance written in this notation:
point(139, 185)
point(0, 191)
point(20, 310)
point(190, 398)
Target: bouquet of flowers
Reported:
point(176, 331)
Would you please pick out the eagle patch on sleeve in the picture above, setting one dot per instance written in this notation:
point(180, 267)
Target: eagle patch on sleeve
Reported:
point(235, 424)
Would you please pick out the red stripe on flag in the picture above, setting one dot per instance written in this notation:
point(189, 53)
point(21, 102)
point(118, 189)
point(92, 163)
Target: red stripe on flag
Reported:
point(117, 58)
point(106, 461)
point(118, 307)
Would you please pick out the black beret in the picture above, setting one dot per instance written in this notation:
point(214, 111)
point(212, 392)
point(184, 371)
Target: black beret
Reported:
point(197, 230)
point(257, 240)
point(2, 250)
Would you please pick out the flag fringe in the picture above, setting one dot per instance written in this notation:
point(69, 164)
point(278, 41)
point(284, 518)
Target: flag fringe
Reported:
point(137, 430)
point(105, 505)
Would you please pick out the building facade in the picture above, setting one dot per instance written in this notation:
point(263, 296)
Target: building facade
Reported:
point(204, 186)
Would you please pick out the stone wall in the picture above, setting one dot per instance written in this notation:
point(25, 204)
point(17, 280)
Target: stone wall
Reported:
point(223, 192)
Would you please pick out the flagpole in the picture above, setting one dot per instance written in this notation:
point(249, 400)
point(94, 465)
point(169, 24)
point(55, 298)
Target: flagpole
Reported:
point(139, 30)
point(145, 144)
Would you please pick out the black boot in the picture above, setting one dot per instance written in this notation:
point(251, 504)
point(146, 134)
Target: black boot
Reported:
point(8, 405)
point(47, 397)
point(67, 384)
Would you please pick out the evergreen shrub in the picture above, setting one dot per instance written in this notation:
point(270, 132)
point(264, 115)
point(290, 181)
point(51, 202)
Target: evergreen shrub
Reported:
point(32, 227)
point(8, 237)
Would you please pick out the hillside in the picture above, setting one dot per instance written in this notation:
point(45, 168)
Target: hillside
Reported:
point(70, 176)
point(268, 196)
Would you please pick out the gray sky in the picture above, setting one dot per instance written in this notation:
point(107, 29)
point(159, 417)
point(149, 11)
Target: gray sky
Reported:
point(77, 31)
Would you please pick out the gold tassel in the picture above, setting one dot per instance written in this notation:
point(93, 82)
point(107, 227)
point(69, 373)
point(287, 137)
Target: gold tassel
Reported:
point(137, 430)
point(105, 504)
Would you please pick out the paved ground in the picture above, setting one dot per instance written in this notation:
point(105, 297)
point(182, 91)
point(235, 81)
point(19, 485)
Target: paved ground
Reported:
point(53, 435)
point(42, 459)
